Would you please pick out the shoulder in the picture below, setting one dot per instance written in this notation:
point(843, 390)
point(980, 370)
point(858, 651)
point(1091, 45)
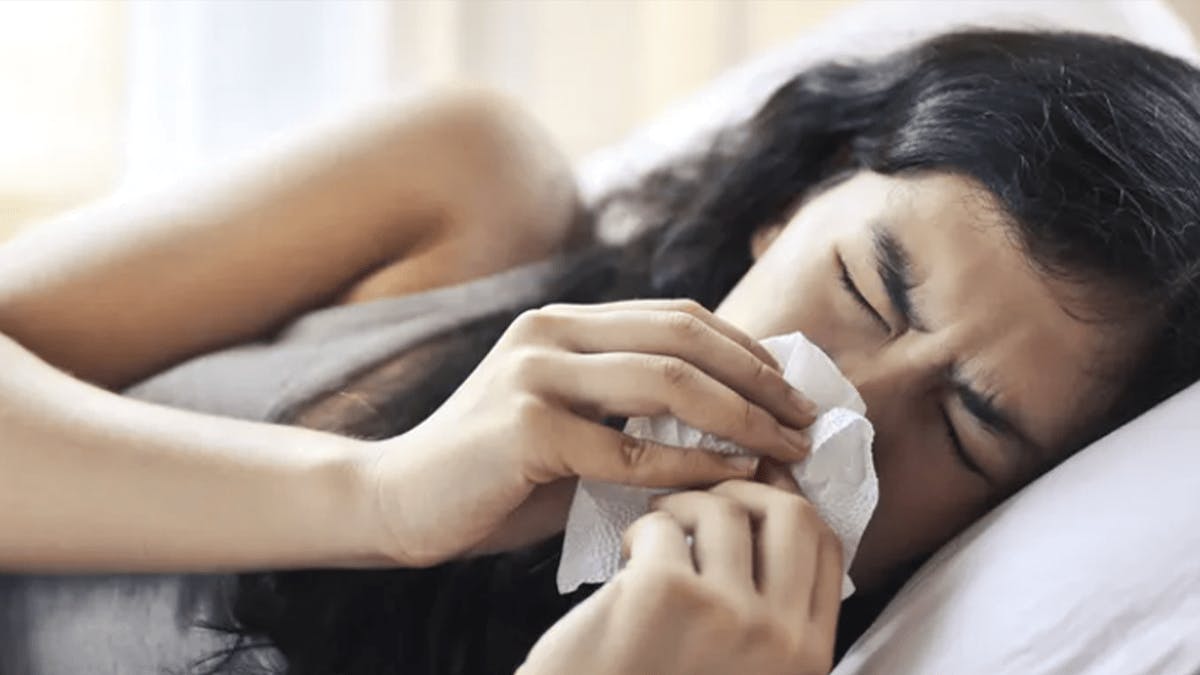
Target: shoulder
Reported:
point(515, 198)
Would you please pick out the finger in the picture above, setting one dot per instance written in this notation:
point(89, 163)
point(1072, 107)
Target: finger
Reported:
point(827, 587)
point(777, 475)
point(686, 337)
point(601, 453)
point(629, 384)
point(722, 543)
point(679, 305)
point(656, 538)
point(789, 534)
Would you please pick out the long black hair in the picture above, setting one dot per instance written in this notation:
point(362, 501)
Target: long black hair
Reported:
point(1089, 143)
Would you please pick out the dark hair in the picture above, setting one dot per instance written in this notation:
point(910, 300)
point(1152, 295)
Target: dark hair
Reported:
point(1089, 143)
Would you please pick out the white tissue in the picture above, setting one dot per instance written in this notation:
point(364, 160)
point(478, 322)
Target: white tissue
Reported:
point(838, 477)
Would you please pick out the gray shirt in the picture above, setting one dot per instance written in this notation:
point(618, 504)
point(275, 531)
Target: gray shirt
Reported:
point(134, 624)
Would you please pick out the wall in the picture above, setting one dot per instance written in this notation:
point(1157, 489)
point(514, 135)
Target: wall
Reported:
point(106, 93)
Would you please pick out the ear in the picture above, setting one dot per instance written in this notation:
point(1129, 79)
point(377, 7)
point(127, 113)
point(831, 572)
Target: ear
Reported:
point(762, 238)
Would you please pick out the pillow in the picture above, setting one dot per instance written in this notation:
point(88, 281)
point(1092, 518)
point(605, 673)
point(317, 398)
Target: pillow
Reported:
point(1095, 567)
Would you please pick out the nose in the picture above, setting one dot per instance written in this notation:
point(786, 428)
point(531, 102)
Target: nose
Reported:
point(892, 381)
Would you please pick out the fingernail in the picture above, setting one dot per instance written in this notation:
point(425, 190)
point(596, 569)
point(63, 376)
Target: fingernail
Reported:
point(800, 441)
point(801, 403)
point(743, 463)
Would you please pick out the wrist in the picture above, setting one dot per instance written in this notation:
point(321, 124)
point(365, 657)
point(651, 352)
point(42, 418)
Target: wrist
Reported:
point(379, 474)
point(340, 484)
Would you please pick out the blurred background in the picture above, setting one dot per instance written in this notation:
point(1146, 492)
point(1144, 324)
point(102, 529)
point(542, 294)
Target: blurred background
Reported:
point(105, 95)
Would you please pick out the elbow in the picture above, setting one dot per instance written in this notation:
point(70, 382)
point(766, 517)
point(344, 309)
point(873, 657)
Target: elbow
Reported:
point(514, 181)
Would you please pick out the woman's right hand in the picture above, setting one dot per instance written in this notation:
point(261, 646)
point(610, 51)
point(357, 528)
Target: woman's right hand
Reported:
point(486, 471)
point(757, 591)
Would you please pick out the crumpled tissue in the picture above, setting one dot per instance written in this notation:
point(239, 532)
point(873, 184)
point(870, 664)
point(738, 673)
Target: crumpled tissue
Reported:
point(838, 476)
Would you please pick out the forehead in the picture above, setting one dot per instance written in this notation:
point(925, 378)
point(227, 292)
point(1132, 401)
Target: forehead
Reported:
point(1001, 322)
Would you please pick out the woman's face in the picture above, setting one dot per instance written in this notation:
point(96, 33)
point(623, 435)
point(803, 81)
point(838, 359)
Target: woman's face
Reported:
point(975, 374)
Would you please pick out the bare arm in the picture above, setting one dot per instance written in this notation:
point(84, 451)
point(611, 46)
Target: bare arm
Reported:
point(118, 291)
point(90, 480)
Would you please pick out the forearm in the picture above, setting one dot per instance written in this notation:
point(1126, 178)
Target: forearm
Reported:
point(118, 291)
point(93, 481)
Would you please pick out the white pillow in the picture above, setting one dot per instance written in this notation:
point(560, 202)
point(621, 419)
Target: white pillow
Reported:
point(1095, 567)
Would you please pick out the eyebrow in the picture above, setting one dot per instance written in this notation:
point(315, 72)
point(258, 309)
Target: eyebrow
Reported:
point(894, 266)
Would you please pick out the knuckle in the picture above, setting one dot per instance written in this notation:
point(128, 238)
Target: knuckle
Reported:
point(725, 508)
point(729, 485)
point(742, 415)
point(661, 585)
point(764, 374)
point(527, 317)
point(676, 500)
point(558, 308)
point(541, 322)
point(656, 517)
point(528, 323)
point(761, 630)
point(754, 417)
point(688, 306)
point(675, 372)
point(632, 452)
point(723, 606)
point(745, 619)
point(799, 509)
point(745, 414)
point(671, 580)
point(654, 520)
point(684, 325)
point(528, 410)
point(527, 362)
point(770, 379)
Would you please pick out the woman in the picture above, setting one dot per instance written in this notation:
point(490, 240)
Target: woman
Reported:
point(989, 233)
point(94, 482)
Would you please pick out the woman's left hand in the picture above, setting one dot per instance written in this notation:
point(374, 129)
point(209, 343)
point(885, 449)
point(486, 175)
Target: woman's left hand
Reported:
point(757, 592)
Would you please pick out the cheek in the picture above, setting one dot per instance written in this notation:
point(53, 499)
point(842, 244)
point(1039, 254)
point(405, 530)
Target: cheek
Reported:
point(925, 498)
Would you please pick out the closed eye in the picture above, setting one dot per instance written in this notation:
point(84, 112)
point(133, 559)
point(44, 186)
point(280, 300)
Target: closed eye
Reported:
point(852, 289)
point(963, 456)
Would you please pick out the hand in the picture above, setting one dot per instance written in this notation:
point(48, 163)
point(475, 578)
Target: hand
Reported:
point(758, 592)
point(486, 471)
